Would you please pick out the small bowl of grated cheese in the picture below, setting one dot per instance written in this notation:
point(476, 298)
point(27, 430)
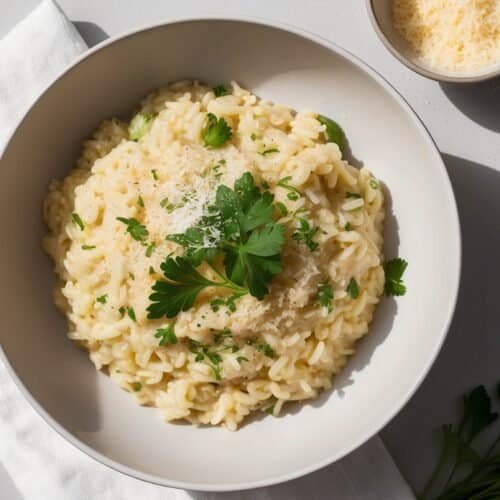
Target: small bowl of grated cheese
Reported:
point(454, 41)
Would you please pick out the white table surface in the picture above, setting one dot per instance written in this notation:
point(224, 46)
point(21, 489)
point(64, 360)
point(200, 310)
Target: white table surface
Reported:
point(464, 121)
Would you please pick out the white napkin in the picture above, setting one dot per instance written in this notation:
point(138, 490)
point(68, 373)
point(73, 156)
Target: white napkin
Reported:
point(40, 463)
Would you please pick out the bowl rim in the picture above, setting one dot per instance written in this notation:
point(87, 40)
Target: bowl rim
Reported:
point(427, 73)
point(396, 406)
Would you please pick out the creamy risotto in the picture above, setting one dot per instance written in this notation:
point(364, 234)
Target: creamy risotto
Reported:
point(216, 255)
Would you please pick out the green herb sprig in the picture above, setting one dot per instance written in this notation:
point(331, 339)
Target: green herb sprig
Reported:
point(216, 132)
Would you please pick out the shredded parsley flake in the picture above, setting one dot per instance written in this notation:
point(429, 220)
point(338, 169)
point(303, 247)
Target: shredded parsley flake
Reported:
point(166, 335)
point(88, 247)
point(293, 193)
point(325, 296)
point(139, 126)
point(353, 289)
point(102, 299)
point(220, 90)
point(134, 228)
point(78, 221)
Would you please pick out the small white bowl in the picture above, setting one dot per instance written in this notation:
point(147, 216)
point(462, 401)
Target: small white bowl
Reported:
point(379, 12)
point(284, 65)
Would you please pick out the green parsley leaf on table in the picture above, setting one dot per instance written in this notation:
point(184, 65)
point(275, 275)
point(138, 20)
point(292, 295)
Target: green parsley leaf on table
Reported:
point(216, 132)
point(394, 270)
point(463, 471)
point(139, 126)
point(325, 296)
point(239, 232)
point(220, 90)
point(353, 289)
point(134, 228)
point(78, 221)
point(333, 131)
point(166, 335)
point(305, 234)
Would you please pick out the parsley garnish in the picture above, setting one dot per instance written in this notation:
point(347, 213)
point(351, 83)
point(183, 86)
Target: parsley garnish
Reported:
point(229, 302)
point(139, 126)
point(122, 311)
point(131, 275)
point(102, 299)
point(216, 132)
point(373, 184)
point(282, 208)
point(166, 335)
point(88, 247)
point(136, 386)
point(223, 334)
point(241, 358)
point(269, 151)
point(352, 195)
point(240, 228)
point(131, 313)
point(293, 192)
point(348, 226)
point(325, 296)
point(253, 137)
point(140, 201)
point(134, 228)
point(353, 289)
point(203, 353)
point(151, 270)
point(150, 249)
point(305, 233)
point(479, 478)
point(220, 90)
point(333, 131)
point(78, 220)
point(394, 270)
point(265, 349)
point(154, 173)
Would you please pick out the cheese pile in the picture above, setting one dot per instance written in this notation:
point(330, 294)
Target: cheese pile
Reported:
point(459, 36)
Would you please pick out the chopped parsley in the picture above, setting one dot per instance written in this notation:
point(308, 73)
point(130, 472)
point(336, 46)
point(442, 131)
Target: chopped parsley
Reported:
point(154, 173)
point(88, 247)
point(131, 275)
point(223, 334)
point(333, 132)
point(166, 335)
point(229, 302)
point(102, 299)
point(353, 289)
point(136, 386)
point(293, 193)
point(352, 195)
point(348, 226)
point(150, 249)
point(269, 151)
point(253, 137)
point(325, 296)
point(151, 270)
point(78, 221)
point(122, 311)
point(282, 208)
point(139, 126)
point(134, 228)
point(394, 270)
point(216, 132)
point(247, 238)
point(240, 359)
point(220, 90)
point(265, 349)
point(140, 201)
point(373, 184)
point(131, 313)
point(305, 234)
point(212, 358)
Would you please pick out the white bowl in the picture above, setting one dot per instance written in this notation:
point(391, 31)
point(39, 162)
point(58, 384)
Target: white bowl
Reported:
point(379, 12)
point(284, 65)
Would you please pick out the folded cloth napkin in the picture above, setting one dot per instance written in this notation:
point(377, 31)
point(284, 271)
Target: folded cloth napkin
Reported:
point(37, 462)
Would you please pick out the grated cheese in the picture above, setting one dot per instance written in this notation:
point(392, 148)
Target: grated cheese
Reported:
point(461, 36)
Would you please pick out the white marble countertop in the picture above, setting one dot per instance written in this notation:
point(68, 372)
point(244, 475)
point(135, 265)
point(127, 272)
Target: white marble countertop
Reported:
point(464, 121)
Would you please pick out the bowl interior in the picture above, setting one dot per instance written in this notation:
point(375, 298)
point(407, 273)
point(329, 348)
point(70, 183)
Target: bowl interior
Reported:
point(381, 14)
point(422, 226)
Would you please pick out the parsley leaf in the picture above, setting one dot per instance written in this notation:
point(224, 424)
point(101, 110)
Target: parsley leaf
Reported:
point(269, 151)
point(134, 228)
point(220, 90)
point(333, 131)
point(88, 247)
point(353, 289)
point(131, 313)
point(166, 335)
point(240, 229)
point(266, 349)
point(139, 126)
point(78, 221)
point(293, 193)
point(325, 296)
point(394, 270)
point(150, 249)
point(203, 353)
point(216, 132)
point(102, 299)
point(136, 386)
point(305, 234)
point(154, 173)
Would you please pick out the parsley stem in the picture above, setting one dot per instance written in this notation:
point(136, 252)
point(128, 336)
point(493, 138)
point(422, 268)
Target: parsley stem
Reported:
point(442, 461)
point(226, 282)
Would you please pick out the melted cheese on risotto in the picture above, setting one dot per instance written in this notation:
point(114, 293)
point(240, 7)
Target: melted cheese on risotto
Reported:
point(214, 364)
